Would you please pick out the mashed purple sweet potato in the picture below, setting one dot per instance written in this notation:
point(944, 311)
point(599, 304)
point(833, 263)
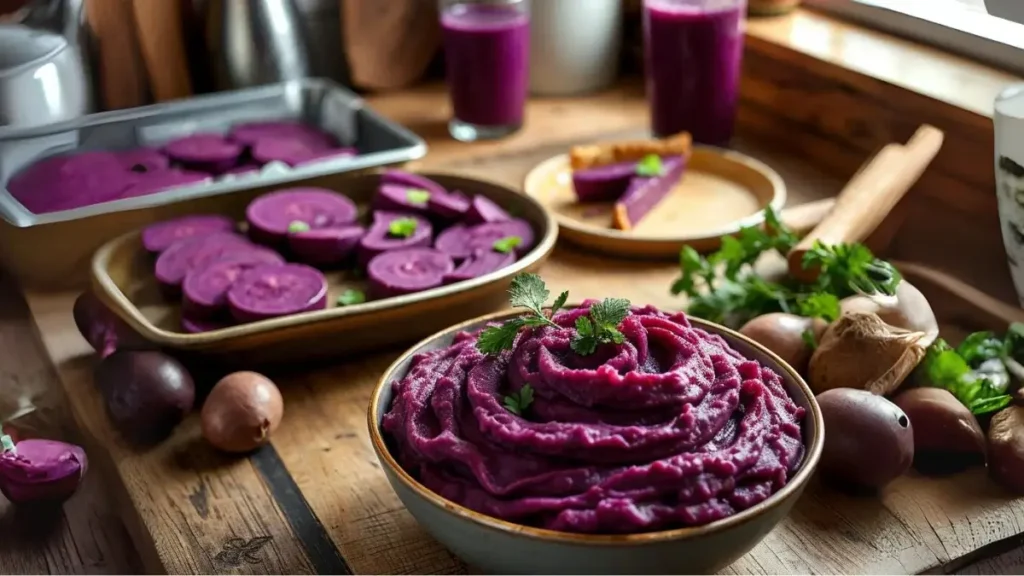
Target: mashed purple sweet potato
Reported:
point(672, 428)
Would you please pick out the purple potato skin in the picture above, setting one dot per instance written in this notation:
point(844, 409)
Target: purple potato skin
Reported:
point(42, 472)
point(147, 393)
point(103, 329)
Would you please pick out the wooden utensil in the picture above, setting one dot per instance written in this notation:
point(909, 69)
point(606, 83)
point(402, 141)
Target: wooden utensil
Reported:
point(162, 41)
point(870, 195)
point(122, 75)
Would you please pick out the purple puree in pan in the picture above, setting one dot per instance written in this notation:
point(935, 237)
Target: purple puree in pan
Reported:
point(672, 428)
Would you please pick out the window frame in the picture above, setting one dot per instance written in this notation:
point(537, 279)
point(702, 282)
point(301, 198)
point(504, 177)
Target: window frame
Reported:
point(976, 35)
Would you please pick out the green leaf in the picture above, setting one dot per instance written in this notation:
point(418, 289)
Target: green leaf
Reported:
point(297, 226)
point(402, 227)
point(350, 297)
point(559, 302)
point(518, 402)
point(979, 347)
point(808, 337)
point(819, 305)
point(507, 244)
point(609, 313)
point(650, 166)
point(585, 341)
point(417, 196)
point(495, 339)
point(528, 291)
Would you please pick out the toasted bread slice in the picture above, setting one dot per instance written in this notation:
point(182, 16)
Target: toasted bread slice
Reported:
point(594, 155)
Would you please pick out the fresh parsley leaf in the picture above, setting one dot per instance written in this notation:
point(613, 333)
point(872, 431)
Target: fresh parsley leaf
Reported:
point(350, 297)
point(981, 390)
point(494, 339)
point(559, 302)
point(526, 291)
point(609, 313)
point(649, 166)
point(819, 305)
point(417, 196)
point(507, 244)
point(585, 341)
point(979, 347)
point(297, 226)
point(402, 227)
point(518, 402)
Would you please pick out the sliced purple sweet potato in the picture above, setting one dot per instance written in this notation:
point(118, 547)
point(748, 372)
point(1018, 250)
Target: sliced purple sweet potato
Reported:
point(68, 182)
point(273, 290)
point(645, 192)
point(272, 216)
point(480, 263)
point(180, 258)
point(294, 151)
point(211, 153)
point(603, 183)
point(198, 326)
point(326, 246)
point(454, 241)
point(482, 209)
point(252, 132)
point(158, 237)
point(406, 271)
point(398, 198)
point(448, 205)
point(394, 231)
point(205, 288)
point(143, 160)
point(160, 180)
point(410, 180)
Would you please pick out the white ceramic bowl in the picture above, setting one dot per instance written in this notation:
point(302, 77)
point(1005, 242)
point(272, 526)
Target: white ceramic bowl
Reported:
point(501, 547)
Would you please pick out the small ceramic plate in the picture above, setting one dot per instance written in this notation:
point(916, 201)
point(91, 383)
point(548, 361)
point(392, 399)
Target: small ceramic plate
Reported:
point(720, 192)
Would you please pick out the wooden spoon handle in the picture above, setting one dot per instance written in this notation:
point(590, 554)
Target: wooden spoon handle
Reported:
point(870, 195)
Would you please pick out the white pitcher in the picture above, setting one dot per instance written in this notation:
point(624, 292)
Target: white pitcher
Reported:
point(574, 45)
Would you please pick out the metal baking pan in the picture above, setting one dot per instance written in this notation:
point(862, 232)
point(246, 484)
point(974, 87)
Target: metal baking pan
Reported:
point(53, 250)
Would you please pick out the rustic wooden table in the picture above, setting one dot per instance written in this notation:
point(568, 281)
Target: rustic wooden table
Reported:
point(315, 501)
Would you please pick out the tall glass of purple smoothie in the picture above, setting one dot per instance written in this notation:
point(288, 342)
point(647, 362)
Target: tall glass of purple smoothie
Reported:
point(692, 52)
point(487, 54)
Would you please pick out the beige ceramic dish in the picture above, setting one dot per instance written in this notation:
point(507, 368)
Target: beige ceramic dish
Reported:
point(122, 277)
point(720, 192)
point(501, 547)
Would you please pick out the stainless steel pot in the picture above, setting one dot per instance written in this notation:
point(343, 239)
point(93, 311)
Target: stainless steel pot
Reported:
point(42, 78)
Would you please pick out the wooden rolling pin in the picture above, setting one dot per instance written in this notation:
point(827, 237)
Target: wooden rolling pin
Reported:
point(870, 195)
point(162, 41)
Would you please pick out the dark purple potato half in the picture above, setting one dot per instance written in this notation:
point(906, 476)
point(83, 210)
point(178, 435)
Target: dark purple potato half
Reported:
point(205, 289)
point(603, 183)
point(158, 237)
point(211, 153)
point(147, 393)
point(271, 215)
point(180, 258)
point(406, 271)
point(102, 329)
point(153, 182)
point(448, 205)
point(41, 471)
point(479, 264)
point(395, 198)
point(273, 290)
point(379, 239)
point(143, 160)
point(482, 210)
point(326, 246)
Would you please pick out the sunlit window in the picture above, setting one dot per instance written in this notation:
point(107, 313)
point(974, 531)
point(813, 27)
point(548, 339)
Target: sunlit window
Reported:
point(988, 30)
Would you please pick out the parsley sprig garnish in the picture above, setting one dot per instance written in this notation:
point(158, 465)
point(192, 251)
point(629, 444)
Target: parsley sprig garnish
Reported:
point(518, 402)
point(979, 371)
point(507, 244)
point(600, 326)
point(526, 291)
point(723, 287)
